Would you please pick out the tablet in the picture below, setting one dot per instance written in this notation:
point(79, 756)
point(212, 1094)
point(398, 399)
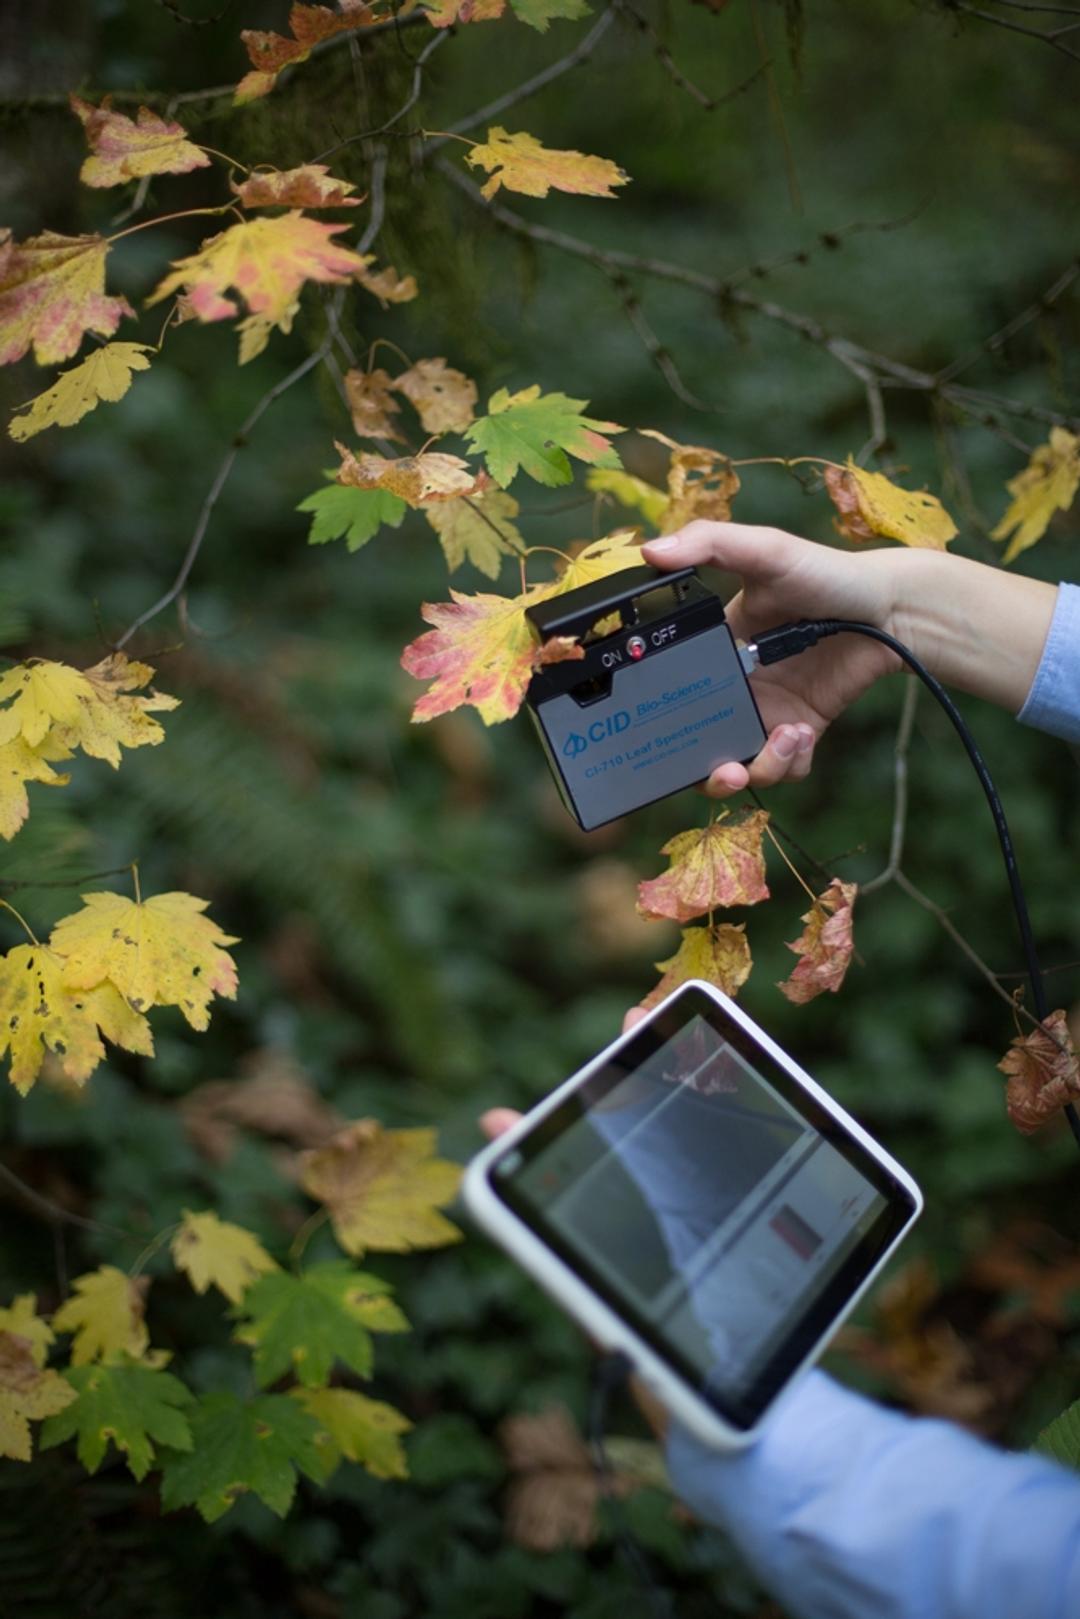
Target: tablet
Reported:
point(694, 1199)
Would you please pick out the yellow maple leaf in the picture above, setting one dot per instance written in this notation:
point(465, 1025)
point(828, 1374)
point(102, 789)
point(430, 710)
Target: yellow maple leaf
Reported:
point(720, 955)
point(20, 763)
point(477, 529)
point(596, 561)
point(386, 285)
point(356, 1427)
point(52, 292)
point(157, 952)
point(123, 148)
point(382, 1188)
point(105, 1313)
point(825, 946)
point(309, 186)
point(416, 479)
point(270, 52)
point(701, 483)
point(21, 1318)
point(27, 1393)
point(371, 404)
point(721, 864)
point(215, 1253)
point(872, 506)
point(444, 399)
point(629, 491)
point(39, 1011)
point(1047, 484)
point(267, 260)
point(90, 709)
point(103, 375)
point(520, 163)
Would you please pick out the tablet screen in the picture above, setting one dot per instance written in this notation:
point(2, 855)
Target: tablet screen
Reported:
point(710, 1200)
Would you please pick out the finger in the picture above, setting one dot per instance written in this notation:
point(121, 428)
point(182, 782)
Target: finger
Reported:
point(785, 756)
point(744, 548)
point(497, 1120)
point(634, 1017)
point(727, 779)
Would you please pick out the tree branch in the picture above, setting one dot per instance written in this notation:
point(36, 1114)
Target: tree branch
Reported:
point(886, 371)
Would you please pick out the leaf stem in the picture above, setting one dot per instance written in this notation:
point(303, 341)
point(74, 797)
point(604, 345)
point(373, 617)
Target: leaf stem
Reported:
point(135, 880)
point(163, 219)
point(794, 870)
point(22, 920)
point(304, 1236)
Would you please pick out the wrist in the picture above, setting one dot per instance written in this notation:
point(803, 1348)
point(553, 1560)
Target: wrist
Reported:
point(974, 626)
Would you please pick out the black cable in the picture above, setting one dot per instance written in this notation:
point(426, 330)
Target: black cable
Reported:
point(609, 1372)
point(787, 640)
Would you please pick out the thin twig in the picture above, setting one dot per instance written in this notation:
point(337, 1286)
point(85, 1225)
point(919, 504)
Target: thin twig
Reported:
point(905, 883)
point(900, 789)
point(887, 371)
point(1041, 306)
point(667, 61)
point(653, 347)
point(213, 494)
point(56, 1213)
point(414, 96)
point(1014, 27)
point(10, 884)
point(529, 87)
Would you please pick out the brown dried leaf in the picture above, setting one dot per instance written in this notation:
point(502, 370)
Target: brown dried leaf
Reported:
point(443, 398)
point(825, 945)
point(553, 1501)
point(701, 483)
point(386, 285)
point(309, 186)
point(269, 52)
point(416, 479)
point(276, 1100)
point(1043, 1073)
point(372, 404)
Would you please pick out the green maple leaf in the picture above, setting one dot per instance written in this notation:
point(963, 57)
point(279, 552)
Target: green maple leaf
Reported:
point(238, 1446)
point(538, 13)
point(350, 514)
point(302, 1324)
point(132, 1405)
point(535, 432)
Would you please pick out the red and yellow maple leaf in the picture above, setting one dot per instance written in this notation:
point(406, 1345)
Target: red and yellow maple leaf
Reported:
point(1043, 1072)
point(371, 404)
point(871, 507)
point(267, 261)
point(52, 292)
point(721, 864)
point(309, 186)
point(443, 13)
point(520, 163)
point(122, 148)
point(825, 946)
point(443, 398)
point(269, 52)
point(596, 561)
point(416, 479)
point(720, 955)
point(481, 650)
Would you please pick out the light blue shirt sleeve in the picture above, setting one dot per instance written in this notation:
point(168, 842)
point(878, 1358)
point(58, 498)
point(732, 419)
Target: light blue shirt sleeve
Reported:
point(848, 1511)
point(1053, 703)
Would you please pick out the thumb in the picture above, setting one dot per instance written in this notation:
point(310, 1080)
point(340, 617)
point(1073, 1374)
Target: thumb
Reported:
point(742, 548)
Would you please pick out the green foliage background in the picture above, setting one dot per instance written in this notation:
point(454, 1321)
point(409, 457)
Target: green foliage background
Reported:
point(422, 932)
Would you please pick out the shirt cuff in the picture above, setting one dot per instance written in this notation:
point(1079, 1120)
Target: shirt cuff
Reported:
point(1053, 703)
